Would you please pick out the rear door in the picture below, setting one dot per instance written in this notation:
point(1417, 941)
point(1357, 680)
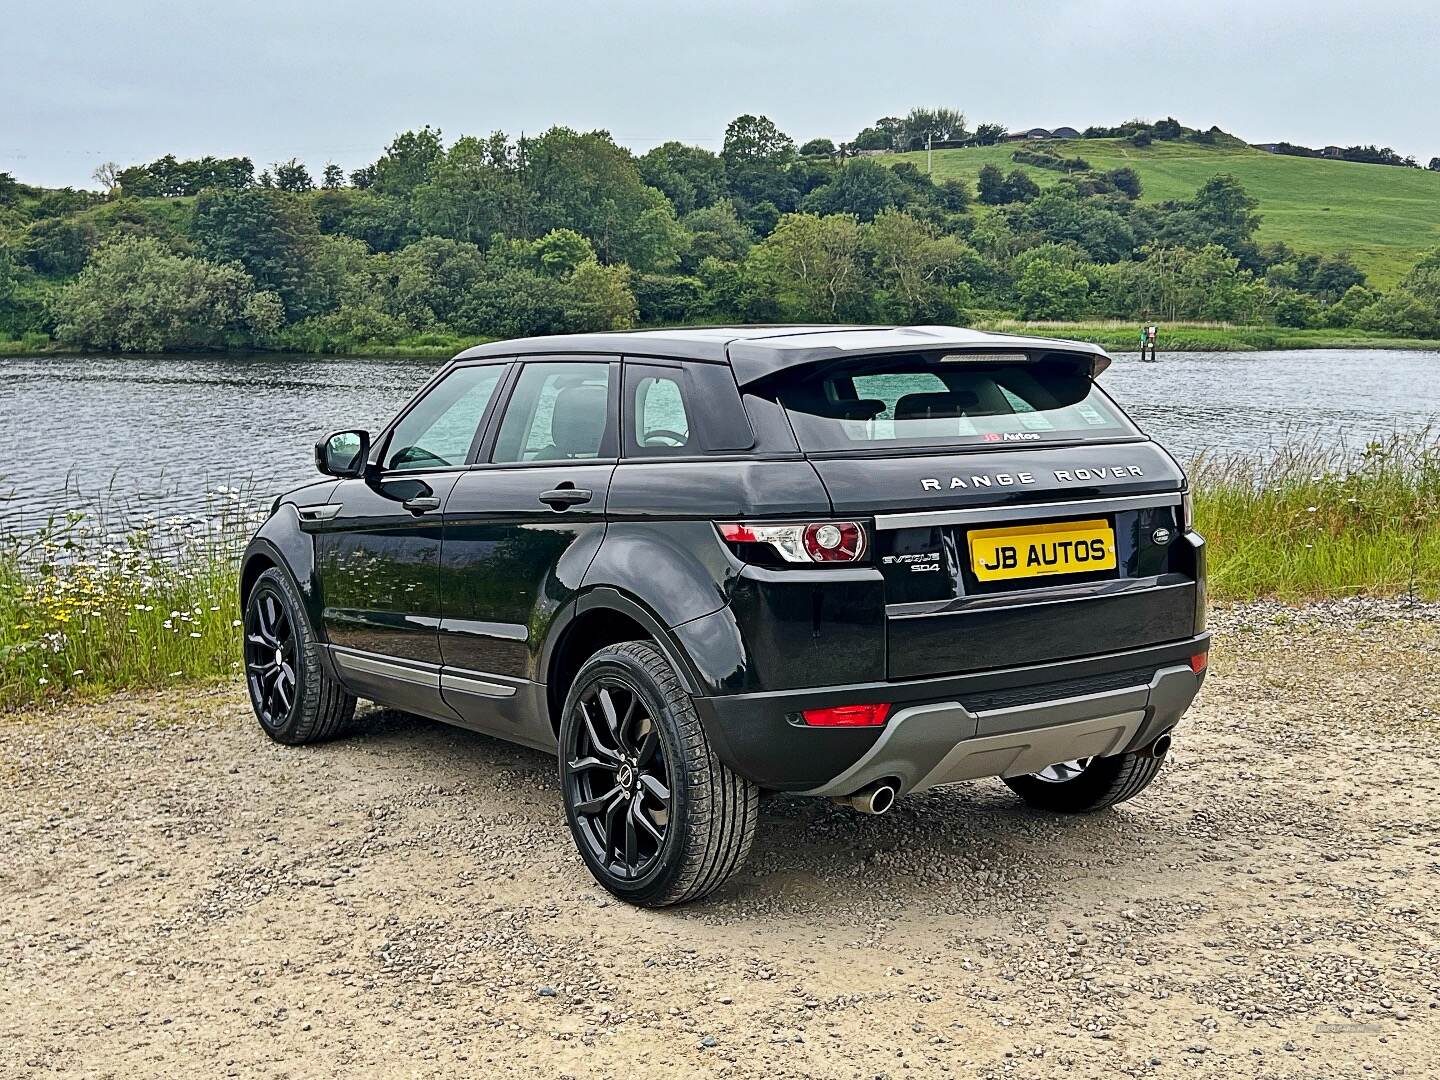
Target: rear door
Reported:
point(520, 529)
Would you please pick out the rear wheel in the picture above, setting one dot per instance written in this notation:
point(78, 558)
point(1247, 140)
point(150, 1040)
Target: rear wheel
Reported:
point(295, 699)
point(1087, 784)
point(656, 816)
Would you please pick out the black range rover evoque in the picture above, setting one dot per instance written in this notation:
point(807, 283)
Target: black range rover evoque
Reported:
point(700, 564)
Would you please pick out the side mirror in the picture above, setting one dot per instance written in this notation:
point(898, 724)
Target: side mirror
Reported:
point(343, 453)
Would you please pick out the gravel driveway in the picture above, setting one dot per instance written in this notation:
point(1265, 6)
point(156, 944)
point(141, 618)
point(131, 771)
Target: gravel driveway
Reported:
point(178, 896)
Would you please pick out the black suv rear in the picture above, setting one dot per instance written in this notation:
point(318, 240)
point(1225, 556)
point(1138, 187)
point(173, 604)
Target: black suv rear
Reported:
point(853, 562)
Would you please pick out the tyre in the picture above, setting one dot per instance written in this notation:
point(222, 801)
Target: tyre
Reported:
point(656, 816)
point(1087, 784)
point(295, 699)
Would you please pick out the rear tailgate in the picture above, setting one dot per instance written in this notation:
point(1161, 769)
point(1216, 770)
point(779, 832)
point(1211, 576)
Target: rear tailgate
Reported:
point(940, 520)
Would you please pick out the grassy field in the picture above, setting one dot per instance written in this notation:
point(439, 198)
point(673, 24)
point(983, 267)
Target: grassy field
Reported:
point(1383, 216)
point(83, 610)
point(1119, 335)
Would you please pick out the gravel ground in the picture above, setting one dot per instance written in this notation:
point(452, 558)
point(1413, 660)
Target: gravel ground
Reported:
point(180, 896)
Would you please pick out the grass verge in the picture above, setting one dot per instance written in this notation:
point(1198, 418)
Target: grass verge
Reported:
point(1312, 523)
point(88, 610)
point(84, 608)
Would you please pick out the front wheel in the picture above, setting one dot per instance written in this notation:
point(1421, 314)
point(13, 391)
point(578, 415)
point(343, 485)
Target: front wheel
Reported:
point(295, 699)
point(656, 816)
point(1087, 784)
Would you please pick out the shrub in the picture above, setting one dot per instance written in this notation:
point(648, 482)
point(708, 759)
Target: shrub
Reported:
point(134, 296)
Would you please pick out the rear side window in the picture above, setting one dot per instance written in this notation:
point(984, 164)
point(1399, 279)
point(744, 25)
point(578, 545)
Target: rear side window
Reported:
point(922, 400)
point(682, 409)
point(659, 420)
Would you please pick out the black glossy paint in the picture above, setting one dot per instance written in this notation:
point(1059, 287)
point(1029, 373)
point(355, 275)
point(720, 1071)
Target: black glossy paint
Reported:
point(489, 584)
point(511, 562)
point(895, 483)
point(756, 735)
point(378, 564)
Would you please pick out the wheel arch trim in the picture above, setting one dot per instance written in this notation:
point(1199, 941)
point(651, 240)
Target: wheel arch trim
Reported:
point(601, 598)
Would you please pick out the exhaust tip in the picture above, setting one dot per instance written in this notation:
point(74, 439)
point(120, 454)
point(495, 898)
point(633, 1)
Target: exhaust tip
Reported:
point(877, 798)
point(1160, 746)
point(882, 799)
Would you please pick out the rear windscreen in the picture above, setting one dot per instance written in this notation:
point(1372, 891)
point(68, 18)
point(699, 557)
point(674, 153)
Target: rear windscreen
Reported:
point(921, 400)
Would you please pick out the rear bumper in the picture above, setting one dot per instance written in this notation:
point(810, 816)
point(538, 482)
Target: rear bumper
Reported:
point(997, 723)
point(927, 745)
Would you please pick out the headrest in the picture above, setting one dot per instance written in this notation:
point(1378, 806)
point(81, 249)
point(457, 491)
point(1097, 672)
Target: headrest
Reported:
point(577, 424)
point(935, 406)
point(853, 409)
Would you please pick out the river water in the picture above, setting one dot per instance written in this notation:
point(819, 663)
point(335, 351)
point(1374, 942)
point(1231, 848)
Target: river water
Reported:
point(156, 433)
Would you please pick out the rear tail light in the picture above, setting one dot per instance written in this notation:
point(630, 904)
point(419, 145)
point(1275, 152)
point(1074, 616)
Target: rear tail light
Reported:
point(1199, 662)
point(810, 542)
point(1187, 511)
point(847, 716)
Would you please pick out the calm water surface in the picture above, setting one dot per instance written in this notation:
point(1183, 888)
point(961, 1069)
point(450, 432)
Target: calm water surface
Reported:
point(157, 433)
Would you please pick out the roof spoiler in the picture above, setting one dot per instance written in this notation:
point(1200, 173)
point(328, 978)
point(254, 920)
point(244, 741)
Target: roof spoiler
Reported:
point(752, 363)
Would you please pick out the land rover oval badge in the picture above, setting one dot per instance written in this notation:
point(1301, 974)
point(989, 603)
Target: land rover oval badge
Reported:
point(1161, 536)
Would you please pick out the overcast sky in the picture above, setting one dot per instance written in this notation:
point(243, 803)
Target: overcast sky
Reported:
point(333, 80)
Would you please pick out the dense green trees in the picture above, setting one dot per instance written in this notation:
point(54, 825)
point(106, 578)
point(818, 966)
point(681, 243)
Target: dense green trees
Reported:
point(690, 177)
point(136, 296)
point(167, 177)
point(272, 234)
point(567, 231)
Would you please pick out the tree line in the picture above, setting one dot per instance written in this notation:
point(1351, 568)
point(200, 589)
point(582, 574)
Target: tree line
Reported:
point(442, 240)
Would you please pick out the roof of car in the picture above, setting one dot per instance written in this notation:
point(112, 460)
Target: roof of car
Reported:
point(756, 351)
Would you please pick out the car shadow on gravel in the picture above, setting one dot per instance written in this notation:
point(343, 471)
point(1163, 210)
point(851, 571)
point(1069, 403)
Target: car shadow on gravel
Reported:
point(962, 841)
point(446, 751)
point(972, 844)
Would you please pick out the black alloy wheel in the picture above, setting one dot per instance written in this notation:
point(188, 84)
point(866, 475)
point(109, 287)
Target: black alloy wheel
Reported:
point(617, 778)
point(295, 697)
point(270, 660)
point(657, 817)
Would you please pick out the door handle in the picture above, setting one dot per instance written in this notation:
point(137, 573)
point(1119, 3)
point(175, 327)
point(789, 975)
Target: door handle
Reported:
point(562, 497)
point(421, 504)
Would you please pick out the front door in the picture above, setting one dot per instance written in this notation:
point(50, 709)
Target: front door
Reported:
point(519, 534)
point(378, 551)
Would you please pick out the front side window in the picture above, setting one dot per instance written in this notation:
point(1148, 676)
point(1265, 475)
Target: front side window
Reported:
point(439, 431)
point(923, 400)
point(559, 411)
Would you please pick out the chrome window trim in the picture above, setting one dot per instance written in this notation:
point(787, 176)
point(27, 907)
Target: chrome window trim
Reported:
point(1023, 511)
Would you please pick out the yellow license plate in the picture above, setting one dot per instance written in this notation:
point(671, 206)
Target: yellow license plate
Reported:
point(1018, 551)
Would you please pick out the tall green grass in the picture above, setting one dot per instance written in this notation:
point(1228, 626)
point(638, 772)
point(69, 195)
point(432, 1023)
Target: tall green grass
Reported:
point(1312, 522)
point(84, 607)
point(90, 608)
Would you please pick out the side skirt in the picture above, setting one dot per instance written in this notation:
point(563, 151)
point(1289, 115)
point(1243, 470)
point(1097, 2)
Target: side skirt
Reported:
point(512, 709)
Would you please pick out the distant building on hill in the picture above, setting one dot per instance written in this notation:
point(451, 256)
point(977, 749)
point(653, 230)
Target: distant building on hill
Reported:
point(1041, 133)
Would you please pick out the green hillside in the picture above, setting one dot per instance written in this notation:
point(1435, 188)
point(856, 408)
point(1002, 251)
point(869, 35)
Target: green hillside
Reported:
point(1382, 215)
